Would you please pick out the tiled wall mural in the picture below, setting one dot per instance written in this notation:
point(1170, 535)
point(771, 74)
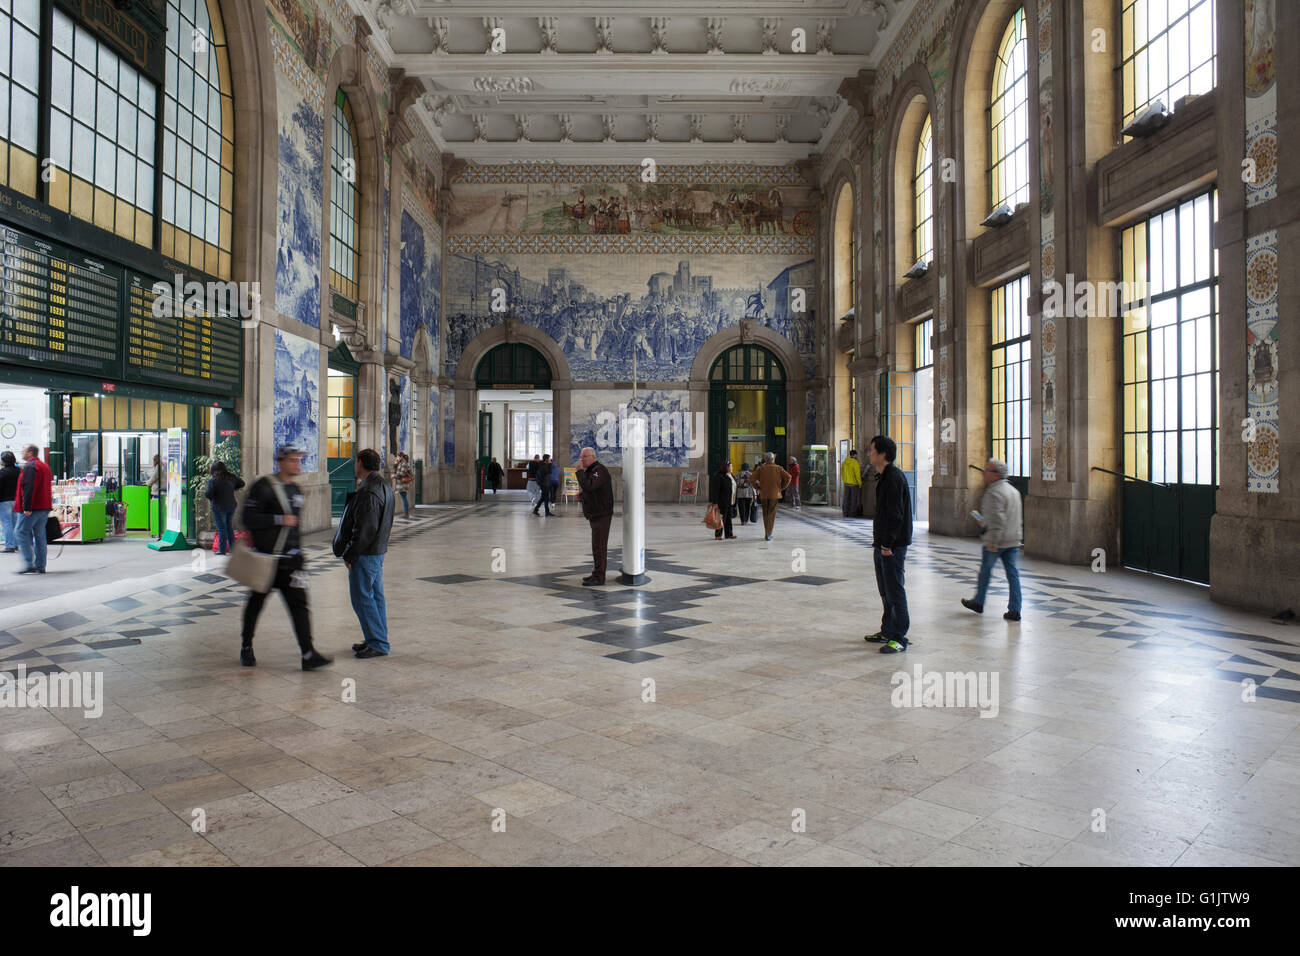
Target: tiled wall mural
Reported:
point(449, 428)
point(1263, 460)
point(297, 396)
point(635, 208)
point(299, 99)
point(594, 422)
point(404, 426)
point(1047, 249)
point(435, 422)
point(604, 310)
point(421, 282)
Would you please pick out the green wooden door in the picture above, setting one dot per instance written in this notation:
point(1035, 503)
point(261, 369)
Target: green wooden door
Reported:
point(1165, 529)
point(776, 425)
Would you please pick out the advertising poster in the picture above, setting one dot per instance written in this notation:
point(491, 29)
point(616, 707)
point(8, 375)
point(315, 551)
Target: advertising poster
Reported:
point(175, 467)
point(571, 481)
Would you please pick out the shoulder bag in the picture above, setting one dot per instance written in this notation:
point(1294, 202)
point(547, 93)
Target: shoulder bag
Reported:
point(257, 569)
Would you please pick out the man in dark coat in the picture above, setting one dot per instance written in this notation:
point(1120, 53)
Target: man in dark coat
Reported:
point(598, 508)
point(270, 514)
point(892, 531)
point(362, 542)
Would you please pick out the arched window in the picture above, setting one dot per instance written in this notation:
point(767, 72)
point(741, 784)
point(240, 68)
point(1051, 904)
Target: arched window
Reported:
point(1168, 52)
point(198, 171)
point(923, 191)
point(103, 118)
point(842, 275)
point(20, 75)
point(345, 261)
point(1009, 117)
point(1009, 394)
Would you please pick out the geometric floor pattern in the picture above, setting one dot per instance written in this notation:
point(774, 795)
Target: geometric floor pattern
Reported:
point(685, 721)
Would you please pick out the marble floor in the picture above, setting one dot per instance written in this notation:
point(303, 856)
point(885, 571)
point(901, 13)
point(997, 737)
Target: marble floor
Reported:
point(727, 712)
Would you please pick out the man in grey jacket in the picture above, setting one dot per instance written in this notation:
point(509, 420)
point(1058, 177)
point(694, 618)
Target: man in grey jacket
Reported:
point(1001, 517)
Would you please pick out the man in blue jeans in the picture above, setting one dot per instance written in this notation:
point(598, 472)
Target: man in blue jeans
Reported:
point(892, 533)
point(362, 541)
point(1001, 518)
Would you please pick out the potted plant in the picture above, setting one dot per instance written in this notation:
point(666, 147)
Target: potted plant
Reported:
point(227, 452)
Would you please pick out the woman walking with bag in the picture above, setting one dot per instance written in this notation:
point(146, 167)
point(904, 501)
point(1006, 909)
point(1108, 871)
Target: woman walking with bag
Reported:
point(221, 493)
point(403, 475)
point(745, 494)
point(722, 492)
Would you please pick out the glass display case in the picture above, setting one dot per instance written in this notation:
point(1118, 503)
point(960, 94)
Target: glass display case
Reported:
point(814, 476)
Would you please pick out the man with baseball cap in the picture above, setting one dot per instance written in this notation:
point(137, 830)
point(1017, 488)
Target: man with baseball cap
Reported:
point(274, 504)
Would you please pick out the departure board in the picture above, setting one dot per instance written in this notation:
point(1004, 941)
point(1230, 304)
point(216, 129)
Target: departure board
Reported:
point(60, 308)
point(177, 344)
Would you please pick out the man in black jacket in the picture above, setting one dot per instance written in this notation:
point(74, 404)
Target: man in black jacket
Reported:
point(598, 508)
point(362, 542)
point(270, 514)
point(892, 530)
point(544, 485)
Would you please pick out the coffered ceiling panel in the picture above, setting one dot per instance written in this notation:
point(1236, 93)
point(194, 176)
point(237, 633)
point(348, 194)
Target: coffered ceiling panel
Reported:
point(517, 80)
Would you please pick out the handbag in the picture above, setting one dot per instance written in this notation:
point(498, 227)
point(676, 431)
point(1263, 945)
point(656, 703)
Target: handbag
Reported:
point(713, 517)
point(53, 530)
point(256, 570)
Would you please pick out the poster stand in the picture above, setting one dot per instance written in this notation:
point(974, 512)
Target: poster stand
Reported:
point(173, 536)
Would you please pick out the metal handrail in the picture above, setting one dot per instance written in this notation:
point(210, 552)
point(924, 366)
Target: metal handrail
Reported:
point(341, 467)
point(1117, 474)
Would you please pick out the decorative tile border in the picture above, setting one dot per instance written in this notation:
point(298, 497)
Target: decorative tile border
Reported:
point(1261, 101)
point(713, 173)
point(628, 245)
point(295, 69)
point(1263, 459)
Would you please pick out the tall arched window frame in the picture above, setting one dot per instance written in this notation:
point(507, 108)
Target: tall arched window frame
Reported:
point(345, 258)
point(20, 75)
point(1009, 116)
point(1168, 52)
point(923, 192)
point(844, 253)
point(198, 163)
point(160, 174)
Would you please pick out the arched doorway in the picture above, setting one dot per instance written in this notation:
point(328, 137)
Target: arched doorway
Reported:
point(747, 407)
point(514, 407)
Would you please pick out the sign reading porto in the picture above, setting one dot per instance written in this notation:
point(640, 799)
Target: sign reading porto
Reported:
point(59, 309)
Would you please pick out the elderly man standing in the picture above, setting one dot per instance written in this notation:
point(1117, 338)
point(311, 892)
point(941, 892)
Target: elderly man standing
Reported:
point(771, 480)
point(1001, 518)
point(597, 499)
point(34, 501)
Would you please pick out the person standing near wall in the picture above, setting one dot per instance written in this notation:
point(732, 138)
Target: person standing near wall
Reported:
point(8, 492)
point(222, 486)
point(745, 494)
point(362, 542)
point(403, 475)
point(597, 498)
point(34, 501)
point(892, 531)
point(494, 475)
point(271, 513)
point(851, 476)
point(793, 469)
point(771, 480)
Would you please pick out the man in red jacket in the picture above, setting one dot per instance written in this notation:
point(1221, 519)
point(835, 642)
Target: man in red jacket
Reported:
point(34, 501)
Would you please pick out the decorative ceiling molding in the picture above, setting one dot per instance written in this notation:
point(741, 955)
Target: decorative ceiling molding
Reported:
point(615, 82)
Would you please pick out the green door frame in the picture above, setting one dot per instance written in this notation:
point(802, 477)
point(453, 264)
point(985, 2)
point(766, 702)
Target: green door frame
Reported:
point(747, 366)
point(341, 480)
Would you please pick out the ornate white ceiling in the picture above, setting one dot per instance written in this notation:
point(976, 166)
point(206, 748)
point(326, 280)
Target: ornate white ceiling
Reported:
point(518, 80)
